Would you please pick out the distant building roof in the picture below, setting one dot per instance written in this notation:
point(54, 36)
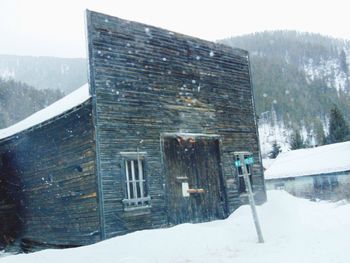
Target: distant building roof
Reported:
point(267, 163)
point(68, 102)
point(324, 159)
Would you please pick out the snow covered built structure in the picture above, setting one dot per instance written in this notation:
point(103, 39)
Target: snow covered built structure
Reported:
point(148, 143)
point(314, 173)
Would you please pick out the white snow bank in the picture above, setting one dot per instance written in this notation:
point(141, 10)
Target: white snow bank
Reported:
point(323, 159)
point(295, 230)
point(66, 103)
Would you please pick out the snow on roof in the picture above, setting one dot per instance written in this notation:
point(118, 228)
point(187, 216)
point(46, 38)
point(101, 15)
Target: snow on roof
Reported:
point(324, 159)
point(267, 163)
point(68, 102)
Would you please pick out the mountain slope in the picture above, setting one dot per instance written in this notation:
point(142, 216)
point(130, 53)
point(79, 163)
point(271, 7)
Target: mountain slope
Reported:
point(19, 100)
point(297, 78)
point(65, 74)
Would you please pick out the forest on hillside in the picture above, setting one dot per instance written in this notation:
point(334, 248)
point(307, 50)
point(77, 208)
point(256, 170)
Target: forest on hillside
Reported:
point(297, 77)
point(19, 100)
point(65, 74)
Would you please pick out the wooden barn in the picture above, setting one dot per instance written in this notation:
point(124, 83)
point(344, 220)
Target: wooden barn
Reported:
point(313, 173)
point(149, 142)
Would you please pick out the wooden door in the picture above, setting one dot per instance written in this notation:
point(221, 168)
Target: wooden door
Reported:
point(194, 163)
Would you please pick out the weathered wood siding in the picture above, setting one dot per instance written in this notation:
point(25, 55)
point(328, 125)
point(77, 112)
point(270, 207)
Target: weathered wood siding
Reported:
point(146, 81)
point(55, 167)
point(10, 197)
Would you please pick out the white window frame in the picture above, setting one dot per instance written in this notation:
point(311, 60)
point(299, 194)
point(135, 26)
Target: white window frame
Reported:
point(132, 199)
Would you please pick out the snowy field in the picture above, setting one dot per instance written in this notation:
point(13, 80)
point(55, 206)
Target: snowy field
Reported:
point(295, 230)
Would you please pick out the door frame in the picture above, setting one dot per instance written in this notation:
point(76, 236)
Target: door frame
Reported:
point(165, 169)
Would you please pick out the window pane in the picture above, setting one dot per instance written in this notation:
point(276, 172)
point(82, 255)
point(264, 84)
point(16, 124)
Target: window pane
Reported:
point(127, 191)
point(334, 181)
point(138, 190)
point(137, 176)
point(135, 183)
point(129, 170)
point(131, 190)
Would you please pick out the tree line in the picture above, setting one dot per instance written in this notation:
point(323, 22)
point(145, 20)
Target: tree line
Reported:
point(338, 131)
point(281, 63)
point(19, 100)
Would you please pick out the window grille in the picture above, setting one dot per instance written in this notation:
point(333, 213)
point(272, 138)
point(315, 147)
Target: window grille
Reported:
point(136, 191)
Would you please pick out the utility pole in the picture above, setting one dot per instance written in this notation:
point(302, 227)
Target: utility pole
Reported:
point(242, 163)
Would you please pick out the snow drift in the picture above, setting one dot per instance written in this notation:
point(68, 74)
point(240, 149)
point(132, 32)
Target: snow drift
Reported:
point(295, 230)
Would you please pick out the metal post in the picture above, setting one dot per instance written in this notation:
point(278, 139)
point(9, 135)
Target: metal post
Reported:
point(251, 197)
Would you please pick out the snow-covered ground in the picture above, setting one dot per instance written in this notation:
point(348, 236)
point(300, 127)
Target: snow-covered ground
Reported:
point(269, 134)
point(295, 230)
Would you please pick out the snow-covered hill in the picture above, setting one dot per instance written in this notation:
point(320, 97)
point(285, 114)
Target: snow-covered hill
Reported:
point(295, 230)
point(65, 74)
point(297, 78)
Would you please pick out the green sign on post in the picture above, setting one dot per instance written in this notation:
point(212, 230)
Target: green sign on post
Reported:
point(247, 160)
point(238, 163)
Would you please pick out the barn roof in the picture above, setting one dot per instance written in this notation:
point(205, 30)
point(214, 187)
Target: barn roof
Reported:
point(321, 160)
point(68, 102)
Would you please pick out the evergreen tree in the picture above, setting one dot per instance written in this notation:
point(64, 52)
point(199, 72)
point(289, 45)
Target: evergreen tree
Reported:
point(343, 63)
point(296, 141)
point(338, 128)
point(276, 149)
point(19, 100)
point(277, 59)
point(320, 136)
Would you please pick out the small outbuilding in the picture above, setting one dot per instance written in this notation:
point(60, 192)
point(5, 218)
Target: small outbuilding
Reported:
point(149, 142)
point(314, 173)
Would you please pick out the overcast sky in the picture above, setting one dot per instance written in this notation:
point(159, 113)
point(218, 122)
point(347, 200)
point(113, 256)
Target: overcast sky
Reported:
point(56, 28)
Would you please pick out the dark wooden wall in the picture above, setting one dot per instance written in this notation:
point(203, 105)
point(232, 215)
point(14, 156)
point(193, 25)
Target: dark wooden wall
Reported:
point(54, 164)
point(146, 81)
point(10, 198)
